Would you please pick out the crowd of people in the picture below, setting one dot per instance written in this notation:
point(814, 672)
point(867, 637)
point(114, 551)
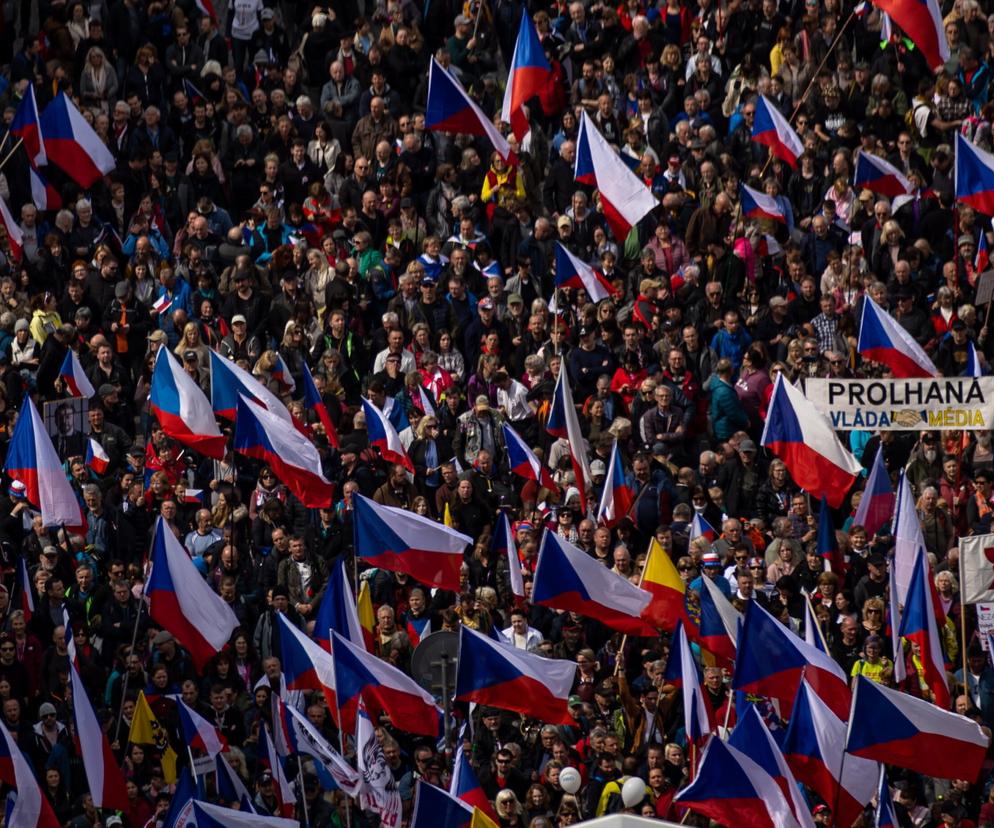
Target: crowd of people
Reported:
point(279, 200)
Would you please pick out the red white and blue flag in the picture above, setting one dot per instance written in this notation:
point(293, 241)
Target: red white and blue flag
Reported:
point(882, 339)
point(757, 205)
point(198, 733)
point(384, 437)
point(497, 674)
point(574, 273)
point(898, 729)
point(802, 437)
point(700, 528)
point(182, 409)
point(402, 541)
point(44, 195)
point(563, 422)
point(306, 665)
point(31, 459)
point(161, 305)
point(31, 809)
point(922, 21)
point(624, 198)
point(502, 545)
point(314, 402)
point(182, 602)
point(450, 109)
point(228, 380)
point(26, 596)
point(697, 714)
point(878, 175)
point(718, 629)
point(72, 145)
point(72, 375)
point(96, 458)
point(974, 176)
point(27, 126)
point(529, 73)
point(15, 238)
point(771, 129)
point(281, 373)
point(523, 461)
point(567, 578)
point(337, 611)
point(919, 625)
point(883, 816)
point(617, 498)
point(286, 800)
point(876, 506)
point(294, 459)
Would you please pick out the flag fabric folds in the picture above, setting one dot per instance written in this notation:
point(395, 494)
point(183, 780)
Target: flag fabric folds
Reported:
point(450, 109)
point(378, 792)
point(897, 729)
point(402, 541)
point(882, 339)
point(573, 272)
point(27, 126)
point(74, 378)
point(802, 437)
point(922, 22)
point(435, 808)
point(337, 611)
point(229, 380)
point(182, 602)
point(465, 785)
point(974, 176)
point(32, 460)
point(146, 730)
point(770, 128)
point(306, 666)
point(718, 629)
point(32, 809)
point(96, 458)
point(757, 205)
point(312, 743)
point(617, 498)
point(563, 422)
point(523, 461)
point(497, 674)
point(877, 503)
point(624, 198)
point(567, 578)
point(771, 660)
point(103, 775)
point(502, 544)
point(696, 714)
point(883, 815)
point(384, 437)
point(198, 733)
point(182, 409)
point(878, 175)
point(662, 581)
point(72, 145)
point(208, 815)
point(919, 625)
point(314, 402)
point(530, 70)
point(15, 238)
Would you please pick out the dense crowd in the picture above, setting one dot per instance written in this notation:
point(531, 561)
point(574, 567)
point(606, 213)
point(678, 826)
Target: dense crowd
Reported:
point(276, 183)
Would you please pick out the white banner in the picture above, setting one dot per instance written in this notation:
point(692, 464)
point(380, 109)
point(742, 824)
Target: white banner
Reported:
point(944, 403)
point(976, 568)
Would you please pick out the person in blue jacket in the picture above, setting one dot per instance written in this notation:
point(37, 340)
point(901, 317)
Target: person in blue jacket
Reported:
point(726, 413)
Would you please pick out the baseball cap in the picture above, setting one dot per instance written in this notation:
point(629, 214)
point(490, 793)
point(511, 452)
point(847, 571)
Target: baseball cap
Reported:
point(482, 401)
point(574, 701)
point(486, 303)
point(710, 559)
point(598, 467)
point(564, 221)
point(238, 318)
point(18, 489)
point(162, 637)
point(515, 299)
point(267, 14)
point(121, 289)
point(747, 445)
point(107, 389)
point(189, 356)
point(157, 336)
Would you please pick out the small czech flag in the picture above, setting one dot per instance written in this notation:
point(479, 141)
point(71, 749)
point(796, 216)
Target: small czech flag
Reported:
point(96, 458)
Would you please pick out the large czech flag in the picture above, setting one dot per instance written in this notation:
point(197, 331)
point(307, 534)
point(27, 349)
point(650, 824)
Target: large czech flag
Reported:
point(617, 498)
point(573, 272)
point(974, 176)
point(529, 73)
point(31, 809)
point(182, 408)
point(306, 665)
point(383, 436)
point(71, 373)
point(771, 129)
point(878, 175)
point(523, 461)
point(228, 380)
point(922, 21)
point(72, 145)
point(757, 205)
point(882, 339)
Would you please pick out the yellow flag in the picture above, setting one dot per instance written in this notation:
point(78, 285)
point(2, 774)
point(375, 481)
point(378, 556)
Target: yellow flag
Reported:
point(481, 820)
point(146, 730)
point(364, 608)
point(447, 516)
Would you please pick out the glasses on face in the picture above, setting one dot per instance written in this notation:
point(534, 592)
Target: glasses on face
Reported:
point(809, 350)
point(802, 121)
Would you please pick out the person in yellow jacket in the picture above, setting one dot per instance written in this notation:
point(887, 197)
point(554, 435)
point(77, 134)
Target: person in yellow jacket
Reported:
point(502, 185)
point(44, 317)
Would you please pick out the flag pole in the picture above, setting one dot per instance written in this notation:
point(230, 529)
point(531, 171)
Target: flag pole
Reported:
point(303, 794)
point(624, 638)
point(962, 622)
point(13, 149)
point(124, 682)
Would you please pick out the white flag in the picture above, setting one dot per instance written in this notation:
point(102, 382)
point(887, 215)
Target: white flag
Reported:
point(976, 567)
point(378, 792)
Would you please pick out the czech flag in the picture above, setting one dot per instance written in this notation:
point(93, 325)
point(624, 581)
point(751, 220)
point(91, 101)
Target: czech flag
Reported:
point(465, 785)
point(883, 816)
point(700, 528)
point(286, 800)
point(827, 543)
point(617, 498)
point(96, 458)
point(198, 733)
point(733, 789)
point(973, 365)
point(26, 597)
point(230, 788)
point(206, 8)
point(384, 436)
point(567, 578)
point(181, 601)
point(812, 632)
point(624, 198)
point(261, 434)
point(524, 463)
point(718, 630)
point(771, 660)
point(214, 816)
point(44, 195)
point(71, 373)
point(502, 544)
point(697, 714)
point(418, 628)
point(182, 409)
point(974, 176)
point(398, 695)
point(27, 126)
point(228, 380)
point(662, 581)
point(530, 71)
point(882, 339)
point(918, 624)
point(757, 205)
point(313, 402)
point(104, 779)
point(12, 230)
point(31, 809)
point(281, 373)
point(402, 541)
point(193, 496)
point(337, 611)
point(752, 736)
point(496, 674)
point(574, 273)
point(31, 458)
point(306, 666)
point(814, 747)
point(922, 21)
point(880, 176)
point(72, 145)
point(161, 305)
point(564, 423)
point(876, 506)
point(771, 129)
point(434, 808)
point(801, 436)
point(450, 109)
point(897, 729)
